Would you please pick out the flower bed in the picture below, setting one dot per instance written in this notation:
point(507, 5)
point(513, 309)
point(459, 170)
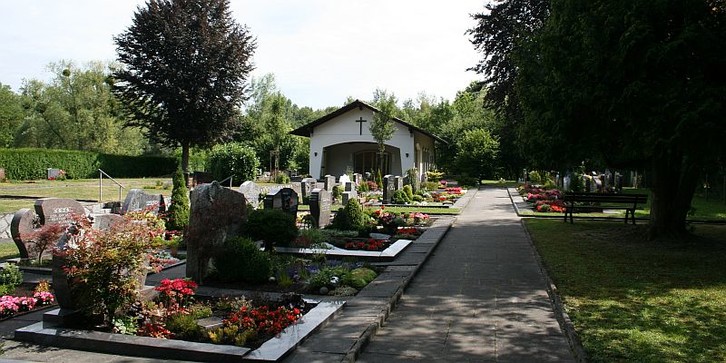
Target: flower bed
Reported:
point(13, 305)
point(542, 199)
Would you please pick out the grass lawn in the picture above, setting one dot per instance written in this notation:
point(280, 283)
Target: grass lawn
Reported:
point(637, 301)
point(83, 189)
point(8, 250)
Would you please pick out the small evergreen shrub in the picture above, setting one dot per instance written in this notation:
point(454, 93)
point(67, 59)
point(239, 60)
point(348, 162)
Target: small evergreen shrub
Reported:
point(350, 218)
point(240, 260)
point(412, 178)
point(10, 278)
point(337, 192)
point(399, 197)
point(359, 277)
point(282, 178)
point(408, 190)
point(177, 217)
point(329, 277)
point(184, 326)
point(272, 226)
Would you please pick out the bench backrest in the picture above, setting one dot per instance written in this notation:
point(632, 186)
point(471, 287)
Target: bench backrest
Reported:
point(605, 198)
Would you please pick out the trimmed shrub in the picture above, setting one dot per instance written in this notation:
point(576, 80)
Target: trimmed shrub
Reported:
point(240, 260)
point(10, 278)
point(235, 159)
point(359, 277)
point(350, 218)
point(32, 164)
point(399, 197)
point(272, 226)
point(409, 193)
point(177, 217)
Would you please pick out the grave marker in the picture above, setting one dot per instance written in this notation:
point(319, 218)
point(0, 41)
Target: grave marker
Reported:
point(138, 200)
point(320, 205)
point(57, 210)
point(285, 199)
point(329, 182)
point(217, 213)
point(23, 223)
point(251, 191)
point(306, 187)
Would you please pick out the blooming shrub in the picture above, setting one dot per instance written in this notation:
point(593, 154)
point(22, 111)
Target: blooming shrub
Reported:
point(10, 305)
point(454, 190)
point(176, 294)
point(557, 206)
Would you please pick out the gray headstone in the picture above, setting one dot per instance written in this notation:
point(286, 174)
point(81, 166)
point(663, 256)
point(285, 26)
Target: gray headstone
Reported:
point(251, 191)
point(23, 224)
point(320, 202)
point(285, 199)
point(106, 221)
point(388, 188)
point(349, 195)
point(398, 182)
point(138, 200)
point(329, 182)
point(57, 210)
point(357, 178)
point(217, 213)
point(306, 187)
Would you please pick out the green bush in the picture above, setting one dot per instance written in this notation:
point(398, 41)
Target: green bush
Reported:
point(400, 197)
point(10, 278)
point(468, 181)
point(408, 190)
point(337, 192)
point(235, 159)
point(350, 218)
point(326, 275)
point(282, 178)
point(32, 164)
point(412, 179)
point(272, 226)
point(240, 260)
point(184, 326)
point(177, 217)
point(430, 186)
point(359, 277)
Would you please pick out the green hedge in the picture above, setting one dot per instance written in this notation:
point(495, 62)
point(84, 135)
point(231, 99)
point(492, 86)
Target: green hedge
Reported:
point(30, 164)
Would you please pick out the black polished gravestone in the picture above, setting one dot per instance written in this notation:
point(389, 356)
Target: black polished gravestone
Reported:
point(285, 199)
point(320, 202)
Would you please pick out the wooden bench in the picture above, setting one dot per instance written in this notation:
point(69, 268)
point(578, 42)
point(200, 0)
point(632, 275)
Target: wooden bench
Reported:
point(628, 202)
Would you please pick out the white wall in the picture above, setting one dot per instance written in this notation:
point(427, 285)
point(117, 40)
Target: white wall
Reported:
point(344, 129)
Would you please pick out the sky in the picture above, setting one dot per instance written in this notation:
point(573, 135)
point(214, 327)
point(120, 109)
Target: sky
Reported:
point(320, 51)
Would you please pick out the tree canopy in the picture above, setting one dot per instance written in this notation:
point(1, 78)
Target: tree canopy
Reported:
point(185, 65)
point(635, 83)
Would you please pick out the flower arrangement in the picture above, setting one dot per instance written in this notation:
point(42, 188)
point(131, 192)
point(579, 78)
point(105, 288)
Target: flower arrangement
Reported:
point(176, 293)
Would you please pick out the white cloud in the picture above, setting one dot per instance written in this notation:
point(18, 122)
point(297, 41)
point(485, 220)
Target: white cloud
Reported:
point(321, 51)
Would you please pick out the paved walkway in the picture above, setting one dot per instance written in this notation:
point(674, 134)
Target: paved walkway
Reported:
point(480, 297)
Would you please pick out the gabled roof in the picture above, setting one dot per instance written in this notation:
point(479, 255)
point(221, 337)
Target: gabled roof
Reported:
point(304, 130)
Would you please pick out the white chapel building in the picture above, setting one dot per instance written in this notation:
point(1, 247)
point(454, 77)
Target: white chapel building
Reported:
point(342, 141)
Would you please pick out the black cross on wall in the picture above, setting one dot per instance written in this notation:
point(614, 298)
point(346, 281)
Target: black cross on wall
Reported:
point(360, 123)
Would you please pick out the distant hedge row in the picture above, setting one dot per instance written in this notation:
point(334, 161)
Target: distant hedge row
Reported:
point(29, 164)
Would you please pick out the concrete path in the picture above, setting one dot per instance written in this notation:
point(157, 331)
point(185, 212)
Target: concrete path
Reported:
point(480, 297)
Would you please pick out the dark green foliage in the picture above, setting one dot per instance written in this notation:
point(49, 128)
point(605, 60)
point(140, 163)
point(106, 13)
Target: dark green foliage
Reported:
point(350, 218)
point(326, 275)
point(240, 260)
point(282, 178)
point(30, 164)
point(234, 159)
point(184, 71)
point(177, 216)
point(478, 154)
point(337, 192)
point(184, 327)
point(359, 277)
point(273, 226)
point(634, 84)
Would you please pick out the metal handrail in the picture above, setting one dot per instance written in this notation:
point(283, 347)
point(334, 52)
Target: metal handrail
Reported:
point(228, 178)
point(101, 173)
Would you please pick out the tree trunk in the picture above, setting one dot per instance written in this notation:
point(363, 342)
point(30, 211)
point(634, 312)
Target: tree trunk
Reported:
point(673, 185)
point(185, 162)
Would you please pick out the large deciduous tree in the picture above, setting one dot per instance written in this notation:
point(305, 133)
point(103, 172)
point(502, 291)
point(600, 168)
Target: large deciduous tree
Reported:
point(11, 115)
point(638, 83)
point(185, 65)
